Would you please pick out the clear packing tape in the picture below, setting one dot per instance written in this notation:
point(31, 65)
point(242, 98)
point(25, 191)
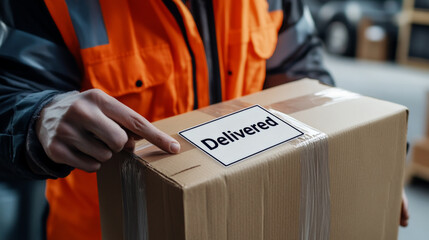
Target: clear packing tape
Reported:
point(134, 201)
point(315, 195)
point(315, 207)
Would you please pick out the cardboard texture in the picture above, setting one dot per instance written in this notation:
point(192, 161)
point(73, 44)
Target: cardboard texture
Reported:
point(268, 196)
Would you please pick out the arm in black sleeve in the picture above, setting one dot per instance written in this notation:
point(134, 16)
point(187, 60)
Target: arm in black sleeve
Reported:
point(299, 51)
point(35, 66)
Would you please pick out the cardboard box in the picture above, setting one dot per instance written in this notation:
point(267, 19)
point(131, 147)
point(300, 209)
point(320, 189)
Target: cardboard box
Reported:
point(373, 42)
point(345, 186)
point(421, 152)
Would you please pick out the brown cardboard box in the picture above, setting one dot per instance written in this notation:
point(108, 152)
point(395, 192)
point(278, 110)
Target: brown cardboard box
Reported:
point(421, 153)
point(372, 41)
point(272, 195)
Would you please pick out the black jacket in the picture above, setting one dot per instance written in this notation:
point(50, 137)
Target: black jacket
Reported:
point(35, 65)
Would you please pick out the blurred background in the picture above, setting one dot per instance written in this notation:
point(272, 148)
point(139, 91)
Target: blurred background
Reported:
point(378, 48)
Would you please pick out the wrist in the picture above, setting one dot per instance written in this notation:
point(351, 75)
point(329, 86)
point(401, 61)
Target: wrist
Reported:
point(37, 159)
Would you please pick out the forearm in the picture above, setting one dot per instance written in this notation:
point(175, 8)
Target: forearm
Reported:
point(32, 71)
point(21, 156)
point(22, 100)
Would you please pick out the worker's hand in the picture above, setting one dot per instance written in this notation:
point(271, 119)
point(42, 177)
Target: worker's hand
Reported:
point(404, 211)
point(84, 129)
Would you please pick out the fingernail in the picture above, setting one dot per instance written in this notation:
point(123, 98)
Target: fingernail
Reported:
point(174, 147)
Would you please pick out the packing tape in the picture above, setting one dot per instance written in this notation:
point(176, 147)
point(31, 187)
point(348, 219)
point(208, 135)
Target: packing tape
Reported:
point(135, 222)
point(224, 108)
point(315, 207)
point(322, 98)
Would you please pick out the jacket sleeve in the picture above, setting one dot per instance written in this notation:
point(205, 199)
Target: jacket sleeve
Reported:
point(35, 66)
point(299, 51)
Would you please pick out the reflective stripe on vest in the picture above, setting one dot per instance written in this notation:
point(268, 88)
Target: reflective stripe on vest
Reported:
point(87, 22)
point(136, 51)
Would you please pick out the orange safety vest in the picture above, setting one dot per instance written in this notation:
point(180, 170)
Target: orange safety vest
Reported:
point(150, 56)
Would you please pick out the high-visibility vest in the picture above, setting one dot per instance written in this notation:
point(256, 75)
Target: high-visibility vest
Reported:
point(150, 56)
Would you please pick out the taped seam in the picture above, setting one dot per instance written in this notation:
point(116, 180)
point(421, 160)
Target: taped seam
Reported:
point(315, 206)
point(134, 201)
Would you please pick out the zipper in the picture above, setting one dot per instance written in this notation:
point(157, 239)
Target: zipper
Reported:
point(172, 7)
point(203, 13)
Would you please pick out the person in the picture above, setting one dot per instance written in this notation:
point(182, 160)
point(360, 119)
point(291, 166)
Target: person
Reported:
point(81, 80)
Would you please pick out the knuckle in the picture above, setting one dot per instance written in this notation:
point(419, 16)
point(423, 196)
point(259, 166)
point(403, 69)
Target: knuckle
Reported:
point(96, 95)
point(92, 167)
point(93, 92)
point(62, 130)
point(78, 108)
point(97, 91)
point(136, 123)
point(119, 141)
point(105, 155)
point(54, 149)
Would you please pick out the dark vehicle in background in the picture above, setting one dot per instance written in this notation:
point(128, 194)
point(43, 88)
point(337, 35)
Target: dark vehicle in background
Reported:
point(337, 22)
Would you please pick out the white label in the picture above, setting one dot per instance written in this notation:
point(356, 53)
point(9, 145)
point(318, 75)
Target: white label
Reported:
point(241, 134)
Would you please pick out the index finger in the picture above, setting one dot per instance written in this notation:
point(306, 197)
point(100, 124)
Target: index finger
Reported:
point(138, 125)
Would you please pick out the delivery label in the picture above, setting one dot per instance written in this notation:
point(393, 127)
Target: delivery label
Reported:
point(239, 135)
